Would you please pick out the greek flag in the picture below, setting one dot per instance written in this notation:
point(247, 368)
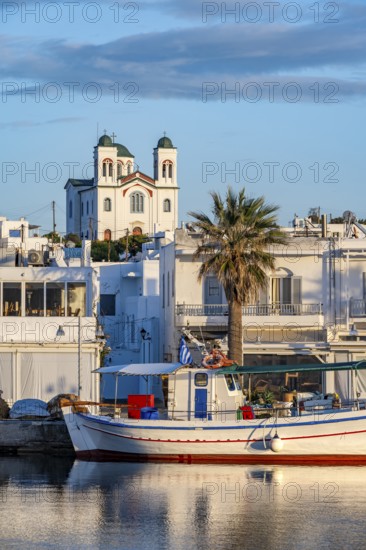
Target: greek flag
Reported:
point(185, 356)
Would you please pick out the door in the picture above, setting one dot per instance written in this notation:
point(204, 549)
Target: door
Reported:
point(213, 297)
point(200, 403)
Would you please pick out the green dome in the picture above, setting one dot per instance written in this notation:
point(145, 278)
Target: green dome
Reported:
point(165, 143)
point(122, 151)
point(105, 141)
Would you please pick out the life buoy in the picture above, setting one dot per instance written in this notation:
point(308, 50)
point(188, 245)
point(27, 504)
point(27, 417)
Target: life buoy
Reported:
point(215, 360)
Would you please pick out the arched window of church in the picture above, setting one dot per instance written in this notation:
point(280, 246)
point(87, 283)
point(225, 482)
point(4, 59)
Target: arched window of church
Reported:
point(137, 231)
point(137, 202)
point(167, 205)
point(107, 205)
point(129, 168)
point(119, 169)
point(107, 167)
point(107, 235)
point(70, 209)
point(167, 169)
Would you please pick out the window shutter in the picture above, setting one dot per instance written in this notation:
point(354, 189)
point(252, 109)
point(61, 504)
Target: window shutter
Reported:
point(296, 290)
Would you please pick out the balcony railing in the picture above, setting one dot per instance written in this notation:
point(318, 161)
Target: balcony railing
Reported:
point(357, 308)
point(216, 310)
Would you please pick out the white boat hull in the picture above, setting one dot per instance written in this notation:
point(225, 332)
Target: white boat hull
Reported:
point(331, 437)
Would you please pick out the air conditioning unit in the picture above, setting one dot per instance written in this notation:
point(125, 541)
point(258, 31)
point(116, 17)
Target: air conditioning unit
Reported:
point(35, 257)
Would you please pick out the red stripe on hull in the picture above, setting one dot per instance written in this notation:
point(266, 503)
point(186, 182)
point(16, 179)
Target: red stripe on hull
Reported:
point(325, 460)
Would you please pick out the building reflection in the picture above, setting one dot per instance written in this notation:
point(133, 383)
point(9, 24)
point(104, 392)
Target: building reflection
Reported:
point(128, 505)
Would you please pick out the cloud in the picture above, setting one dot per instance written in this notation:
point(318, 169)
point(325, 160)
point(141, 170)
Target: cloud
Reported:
point(175, 63)
point(31, 123)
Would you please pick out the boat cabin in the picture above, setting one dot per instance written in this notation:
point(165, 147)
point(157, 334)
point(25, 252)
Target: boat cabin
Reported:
point(202, 393)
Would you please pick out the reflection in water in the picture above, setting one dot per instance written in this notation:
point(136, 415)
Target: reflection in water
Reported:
point(51, 503)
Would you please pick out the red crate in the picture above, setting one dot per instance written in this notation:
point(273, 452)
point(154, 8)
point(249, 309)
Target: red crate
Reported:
point(247, 412)
point(137, 402)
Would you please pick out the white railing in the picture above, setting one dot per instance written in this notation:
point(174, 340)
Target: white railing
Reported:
point(357, 308)
point(215, 310)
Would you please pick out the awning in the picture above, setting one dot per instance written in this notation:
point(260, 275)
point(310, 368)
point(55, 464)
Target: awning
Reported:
point(142, 369)
point(323, 367)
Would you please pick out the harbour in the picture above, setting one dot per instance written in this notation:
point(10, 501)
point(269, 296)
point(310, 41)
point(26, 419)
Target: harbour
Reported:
point(62, 503)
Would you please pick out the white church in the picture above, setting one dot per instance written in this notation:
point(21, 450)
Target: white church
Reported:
point(120, 197)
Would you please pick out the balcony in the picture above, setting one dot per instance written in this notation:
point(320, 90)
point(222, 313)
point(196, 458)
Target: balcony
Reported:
point(273, 314)
point(218, 310)
point(357, 308)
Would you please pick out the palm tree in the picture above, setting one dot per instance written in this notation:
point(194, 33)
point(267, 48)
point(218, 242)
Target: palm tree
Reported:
point(236, 248)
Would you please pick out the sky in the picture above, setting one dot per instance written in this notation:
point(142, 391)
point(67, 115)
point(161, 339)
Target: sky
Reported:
point(266, 95)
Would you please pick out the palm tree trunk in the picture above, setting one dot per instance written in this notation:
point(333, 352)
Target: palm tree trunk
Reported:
point(235, 332)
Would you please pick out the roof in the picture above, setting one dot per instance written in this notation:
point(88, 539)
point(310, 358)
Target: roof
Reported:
point(143, 369)
point(165, 143)
point(292, 368)
point(105, 141)
point(136, 175)
point(80, 183)
point(122, 151)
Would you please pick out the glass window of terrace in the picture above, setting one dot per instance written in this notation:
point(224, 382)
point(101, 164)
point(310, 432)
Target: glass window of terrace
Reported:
point(34, 299)
point(12, 299)
point(55, 299)
point(76, 299)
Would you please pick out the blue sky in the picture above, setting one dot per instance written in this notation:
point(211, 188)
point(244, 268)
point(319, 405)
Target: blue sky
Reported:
point(270, 97)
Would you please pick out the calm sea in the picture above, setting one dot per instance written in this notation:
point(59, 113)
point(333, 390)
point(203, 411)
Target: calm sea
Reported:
point(62, 504)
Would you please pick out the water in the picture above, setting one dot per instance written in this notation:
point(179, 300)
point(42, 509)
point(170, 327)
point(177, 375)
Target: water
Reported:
point(60, 504)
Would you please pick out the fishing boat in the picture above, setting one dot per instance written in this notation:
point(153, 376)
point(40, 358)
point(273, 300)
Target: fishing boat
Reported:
point(208, 420)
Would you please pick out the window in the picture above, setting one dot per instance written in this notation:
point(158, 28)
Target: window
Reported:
point(108, 304)
point(55, 299)
point(137, 202)
point(137, 231)
point(107, 205)
point(230, 382)
point(11, 299)
point(286, 290)
point(167, 205)
point(70, 209)
point(34, 299)
point(201, 379)
point(87, 208)
point(107, 235)
point(76, 299)
point(167, 169)
point(107, 168)
point(119, 169)
point(129, 168)
point(213, 291)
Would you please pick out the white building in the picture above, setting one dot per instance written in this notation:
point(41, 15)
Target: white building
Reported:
point(120, 197)
point(18, 247)
point(48, 338)
point(129, 308)
point(313, 309)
